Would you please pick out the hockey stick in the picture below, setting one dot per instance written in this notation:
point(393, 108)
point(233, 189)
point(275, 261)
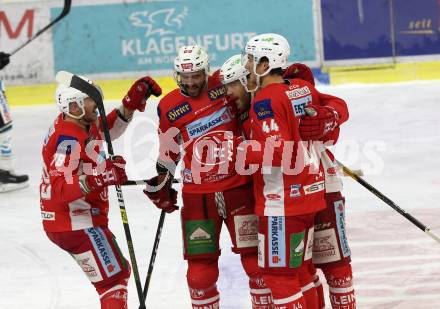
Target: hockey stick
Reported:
point(155, 248)
point(393, 205)
point(143, 182)
point(76, 82)
point(64, 12)
point(153, 254)
point(358, 172)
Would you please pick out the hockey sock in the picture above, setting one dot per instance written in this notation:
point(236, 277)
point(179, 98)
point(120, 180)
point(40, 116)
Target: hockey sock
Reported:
point(306, 280)
point(319, 291)
point(202, 276)
point(340, 282)
point(261, 296)
point(115, 298)
point(318, 286)
point(286, 291)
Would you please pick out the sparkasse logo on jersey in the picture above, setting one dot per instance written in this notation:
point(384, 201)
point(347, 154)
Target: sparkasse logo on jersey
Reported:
point(203, 125)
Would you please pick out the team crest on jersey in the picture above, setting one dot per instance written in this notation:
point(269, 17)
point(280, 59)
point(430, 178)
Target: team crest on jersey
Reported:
point(179, 111)
point(216, 93)
point(263, 109)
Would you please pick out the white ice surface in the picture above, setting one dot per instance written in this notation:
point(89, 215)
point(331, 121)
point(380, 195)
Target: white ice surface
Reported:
point(393, 135)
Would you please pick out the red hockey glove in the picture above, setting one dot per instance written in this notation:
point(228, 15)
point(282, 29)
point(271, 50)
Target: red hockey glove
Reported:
point(301, 71)
point(164, 198)
point(139, 92)
point(114, 174)
point(4, 59)
point(320, 120)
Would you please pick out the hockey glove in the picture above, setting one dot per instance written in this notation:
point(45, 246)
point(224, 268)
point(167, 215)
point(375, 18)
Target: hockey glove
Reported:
point(165, 198)
point(113, 174)
point(139, 92)
point(301, 71)
point(4, 59)
point(320, 120)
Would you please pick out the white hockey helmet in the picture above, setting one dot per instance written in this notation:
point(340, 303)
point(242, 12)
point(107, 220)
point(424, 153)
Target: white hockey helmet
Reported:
point(65, 95)
point(233, 70)
point(191, 58)
point(270, 45)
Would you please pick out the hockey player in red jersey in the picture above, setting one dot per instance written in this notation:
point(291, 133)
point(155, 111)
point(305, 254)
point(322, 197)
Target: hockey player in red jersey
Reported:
point(73, 189)
point(205, 123)
point(9, 180)
point(331, 252)
point(289, 186)
point(235, 77)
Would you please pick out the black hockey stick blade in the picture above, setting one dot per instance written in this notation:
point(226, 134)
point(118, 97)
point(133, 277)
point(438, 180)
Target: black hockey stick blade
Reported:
point(64, 12)
point(74, 81)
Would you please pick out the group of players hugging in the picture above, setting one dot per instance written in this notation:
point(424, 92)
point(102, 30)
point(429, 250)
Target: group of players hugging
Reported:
point(254, 141)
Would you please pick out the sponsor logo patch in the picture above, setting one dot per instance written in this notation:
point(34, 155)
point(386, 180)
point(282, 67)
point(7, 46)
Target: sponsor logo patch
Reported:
point(296, 249)
point(187, 176)
point(314, 187)
point(340, 224)
point(104, 251)
point(263, 109)
point(261, 251)
point(203, 125)
point(48, 215)
point(277, 243)
point(325, 248)
point(178, 112)
point(273, 197)
point(332, 171)
point(89, 266)
point(246, 228)
point(297, 93)
point(298, 105)
point(217, 93)
point(187, 66)
point(200, 237)
point(295, 190)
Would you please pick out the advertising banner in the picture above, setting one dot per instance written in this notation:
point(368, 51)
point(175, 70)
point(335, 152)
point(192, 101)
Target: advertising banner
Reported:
point(18, 23)
point(417, 27)
point(361, 29)
point(356, 29)
point(144, 36)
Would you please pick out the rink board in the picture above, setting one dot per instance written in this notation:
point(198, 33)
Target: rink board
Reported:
point(116, 89)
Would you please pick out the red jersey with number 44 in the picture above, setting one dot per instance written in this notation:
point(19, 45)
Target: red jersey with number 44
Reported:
point(290, 180)
point(205, 126)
